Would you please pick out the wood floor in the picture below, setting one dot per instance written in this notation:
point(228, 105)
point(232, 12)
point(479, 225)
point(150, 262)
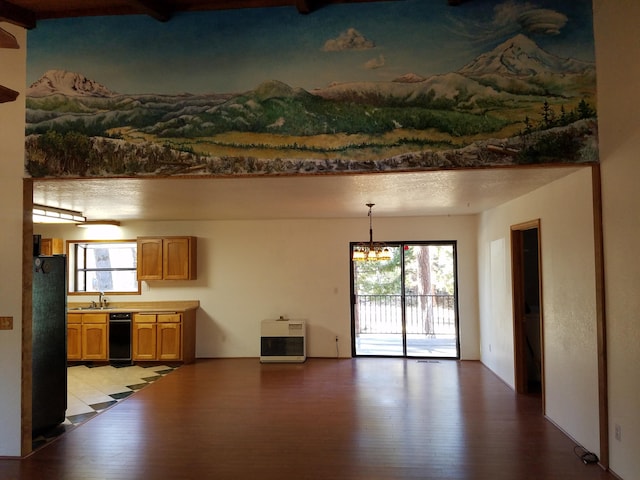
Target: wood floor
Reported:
point(365, 418)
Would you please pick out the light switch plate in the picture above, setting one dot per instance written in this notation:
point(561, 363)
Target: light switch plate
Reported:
point(6, 323)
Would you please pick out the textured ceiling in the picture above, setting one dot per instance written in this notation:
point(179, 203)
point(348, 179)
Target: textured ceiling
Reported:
point(445, 192)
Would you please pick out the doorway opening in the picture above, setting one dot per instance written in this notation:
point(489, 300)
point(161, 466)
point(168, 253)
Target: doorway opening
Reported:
point(406, 306)
point(527, 308)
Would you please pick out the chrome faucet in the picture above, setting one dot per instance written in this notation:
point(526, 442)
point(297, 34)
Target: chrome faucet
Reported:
point(102, 302)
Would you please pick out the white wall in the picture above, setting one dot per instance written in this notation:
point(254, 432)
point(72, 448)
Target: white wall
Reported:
point(12, 75)
point(617, 51)
point(298, 269)
point(564, 208)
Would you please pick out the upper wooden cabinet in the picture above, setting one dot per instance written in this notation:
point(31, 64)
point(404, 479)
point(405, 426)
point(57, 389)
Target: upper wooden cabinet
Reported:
point(51, 246)
point(149, 258)
point(179, 258)
point(167, 258)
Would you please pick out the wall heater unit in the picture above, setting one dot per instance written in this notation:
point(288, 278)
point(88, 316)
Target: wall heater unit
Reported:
point(283, 341)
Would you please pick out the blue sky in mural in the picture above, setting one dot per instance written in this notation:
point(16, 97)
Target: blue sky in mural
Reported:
point(234, 51)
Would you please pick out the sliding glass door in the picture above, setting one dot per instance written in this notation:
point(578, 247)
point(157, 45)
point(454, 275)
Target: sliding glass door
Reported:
point(407, 306)
point(377, 306)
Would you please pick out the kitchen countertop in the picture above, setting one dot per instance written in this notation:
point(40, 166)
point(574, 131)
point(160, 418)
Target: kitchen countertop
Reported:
point(136, 307)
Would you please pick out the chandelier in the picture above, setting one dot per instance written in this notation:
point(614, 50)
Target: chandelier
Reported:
point(371, 251)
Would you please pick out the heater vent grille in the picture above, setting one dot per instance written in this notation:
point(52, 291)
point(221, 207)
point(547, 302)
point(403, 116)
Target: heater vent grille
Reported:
point(283, 341)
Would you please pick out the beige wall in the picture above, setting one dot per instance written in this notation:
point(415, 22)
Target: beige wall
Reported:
point(571, 400)
point(617, 51)
point(564, 208)
point(298, 268)
point(12, 75)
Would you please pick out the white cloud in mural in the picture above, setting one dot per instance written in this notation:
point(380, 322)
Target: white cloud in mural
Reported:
point(375, 63)
point(350, 39)
point(510, 18)
point(507, 13)
point(526, 16)
point(544, 21)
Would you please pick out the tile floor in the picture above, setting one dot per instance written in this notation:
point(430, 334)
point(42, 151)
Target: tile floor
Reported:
point(93, 389)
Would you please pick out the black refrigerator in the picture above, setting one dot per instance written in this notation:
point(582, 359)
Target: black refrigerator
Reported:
point(49, 361)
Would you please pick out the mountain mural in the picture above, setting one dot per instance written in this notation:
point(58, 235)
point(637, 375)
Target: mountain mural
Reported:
point(516, 104)
point(520, 56)
point(68, 84)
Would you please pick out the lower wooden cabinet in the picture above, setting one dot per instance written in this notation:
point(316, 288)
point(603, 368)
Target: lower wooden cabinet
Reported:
point(74, 339)
point(162, 336)
point(144, 341)
point(87, 336)
point(94, 342)
point(169, 341)
point(157, 336)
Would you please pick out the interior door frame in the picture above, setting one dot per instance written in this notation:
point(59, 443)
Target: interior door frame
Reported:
point(517, 279)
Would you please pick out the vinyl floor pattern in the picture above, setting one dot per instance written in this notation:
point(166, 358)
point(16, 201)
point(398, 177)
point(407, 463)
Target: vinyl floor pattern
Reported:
point(94, 389)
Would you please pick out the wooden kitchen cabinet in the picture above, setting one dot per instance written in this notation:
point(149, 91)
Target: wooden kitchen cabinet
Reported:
point(144, 341)
point(51, 246)
point(169, 341)
point(74, 337)
point(179, 258)
point(87, 335)
point(94, 342)
point(149, 258)
point(167, 258)
point(159, 337)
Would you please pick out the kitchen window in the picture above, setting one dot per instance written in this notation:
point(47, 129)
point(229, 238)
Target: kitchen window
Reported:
point(103, 266)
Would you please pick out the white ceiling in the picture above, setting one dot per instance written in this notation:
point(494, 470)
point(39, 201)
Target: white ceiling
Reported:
point(443, 192)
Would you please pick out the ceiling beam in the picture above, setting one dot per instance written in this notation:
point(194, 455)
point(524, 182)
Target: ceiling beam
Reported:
point(304, 6)
point(158, 10)
point(7, 40)
point(7, 95)
point(162, 10)
point(17, 15)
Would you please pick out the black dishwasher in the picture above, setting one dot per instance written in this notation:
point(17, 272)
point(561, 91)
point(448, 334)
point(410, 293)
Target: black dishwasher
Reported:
point(120, 338)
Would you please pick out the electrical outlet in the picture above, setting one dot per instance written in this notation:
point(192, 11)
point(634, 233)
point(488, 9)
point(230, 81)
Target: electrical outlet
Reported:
point(6, 323)
point(336, 338)
point(618, 432)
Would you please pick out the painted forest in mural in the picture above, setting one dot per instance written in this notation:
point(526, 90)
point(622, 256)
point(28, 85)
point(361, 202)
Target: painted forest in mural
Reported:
point(515, 104)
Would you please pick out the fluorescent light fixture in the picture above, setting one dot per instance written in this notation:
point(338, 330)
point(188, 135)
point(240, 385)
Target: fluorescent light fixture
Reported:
point(46, 214)
point(99, 223)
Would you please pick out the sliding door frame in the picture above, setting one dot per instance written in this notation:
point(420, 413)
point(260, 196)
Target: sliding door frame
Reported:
point(402, 245)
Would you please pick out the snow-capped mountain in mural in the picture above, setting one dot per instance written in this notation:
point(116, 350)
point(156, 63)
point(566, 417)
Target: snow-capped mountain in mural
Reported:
point(521, 56)
point(517, 66)
point(69, 84)
point(507, 97)
point(517, 57)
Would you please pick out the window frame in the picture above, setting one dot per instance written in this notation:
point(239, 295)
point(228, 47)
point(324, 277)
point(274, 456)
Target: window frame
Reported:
point(73, 270)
